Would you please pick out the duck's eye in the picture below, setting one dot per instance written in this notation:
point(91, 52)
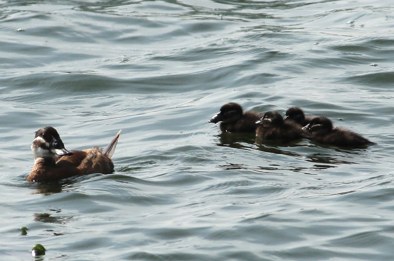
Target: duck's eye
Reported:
point(55, 142)
point(231, 113)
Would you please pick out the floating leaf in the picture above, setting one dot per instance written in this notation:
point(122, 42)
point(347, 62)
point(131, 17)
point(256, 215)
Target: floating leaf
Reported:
point(24, 231)
point(38, 250)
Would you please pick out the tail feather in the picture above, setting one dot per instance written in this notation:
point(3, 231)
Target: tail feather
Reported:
point(109, 151)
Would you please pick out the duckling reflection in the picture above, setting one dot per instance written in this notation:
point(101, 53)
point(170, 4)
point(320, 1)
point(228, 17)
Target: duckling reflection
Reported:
point(325, 161)
point(236, 140)
point(232, 118)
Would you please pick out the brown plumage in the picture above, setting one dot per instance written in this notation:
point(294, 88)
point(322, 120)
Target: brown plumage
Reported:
point(53, 162)
point(272, 127)
point(296, 115)
point(321, 130)
point(233, 119)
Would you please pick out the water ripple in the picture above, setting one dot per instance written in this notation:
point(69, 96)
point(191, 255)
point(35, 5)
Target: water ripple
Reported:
point(159, 70)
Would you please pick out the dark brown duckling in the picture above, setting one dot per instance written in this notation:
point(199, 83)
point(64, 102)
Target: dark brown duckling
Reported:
point(272, 127)
point(321, 130)
point(296, 115)
point(233, 119)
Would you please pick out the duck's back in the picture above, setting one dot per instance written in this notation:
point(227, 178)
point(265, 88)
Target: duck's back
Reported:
point(87, 162)
point(342, 138)
point(247, 123)
point(285, 133)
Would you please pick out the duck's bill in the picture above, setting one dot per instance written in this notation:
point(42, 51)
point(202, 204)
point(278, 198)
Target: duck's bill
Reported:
point(215, 119)
point(305, 131)
point(305, 128)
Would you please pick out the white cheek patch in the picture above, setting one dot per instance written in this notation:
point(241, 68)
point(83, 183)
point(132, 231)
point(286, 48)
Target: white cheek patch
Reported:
point(39, 147)
point(40, 140)
point(41, 153)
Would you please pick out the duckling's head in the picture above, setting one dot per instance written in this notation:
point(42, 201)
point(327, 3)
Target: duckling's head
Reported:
point(229, 112)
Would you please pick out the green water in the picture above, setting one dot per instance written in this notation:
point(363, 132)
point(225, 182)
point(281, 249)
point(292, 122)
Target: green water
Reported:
point(159, 70)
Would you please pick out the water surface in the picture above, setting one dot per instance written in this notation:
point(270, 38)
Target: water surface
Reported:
point(159, 70)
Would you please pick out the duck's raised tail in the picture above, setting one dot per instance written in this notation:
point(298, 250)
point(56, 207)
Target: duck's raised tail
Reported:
point(109, 151)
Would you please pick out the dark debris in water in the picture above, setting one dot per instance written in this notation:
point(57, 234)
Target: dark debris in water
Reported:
point(49, 218)
point(23, 231)
point(232, 166)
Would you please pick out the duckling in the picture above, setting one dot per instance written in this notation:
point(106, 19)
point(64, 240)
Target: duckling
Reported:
point(272, 127)
point(296, 115)
point(233, 119)
point(321, 130)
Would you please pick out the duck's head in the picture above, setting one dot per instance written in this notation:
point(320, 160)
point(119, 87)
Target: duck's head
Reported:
point(48, 144)
point(229, 112)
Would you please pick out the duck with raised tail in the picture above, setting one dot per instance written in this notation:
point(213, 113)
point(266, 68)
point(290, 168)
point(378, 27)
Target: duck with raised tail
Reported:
point(54, 162)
